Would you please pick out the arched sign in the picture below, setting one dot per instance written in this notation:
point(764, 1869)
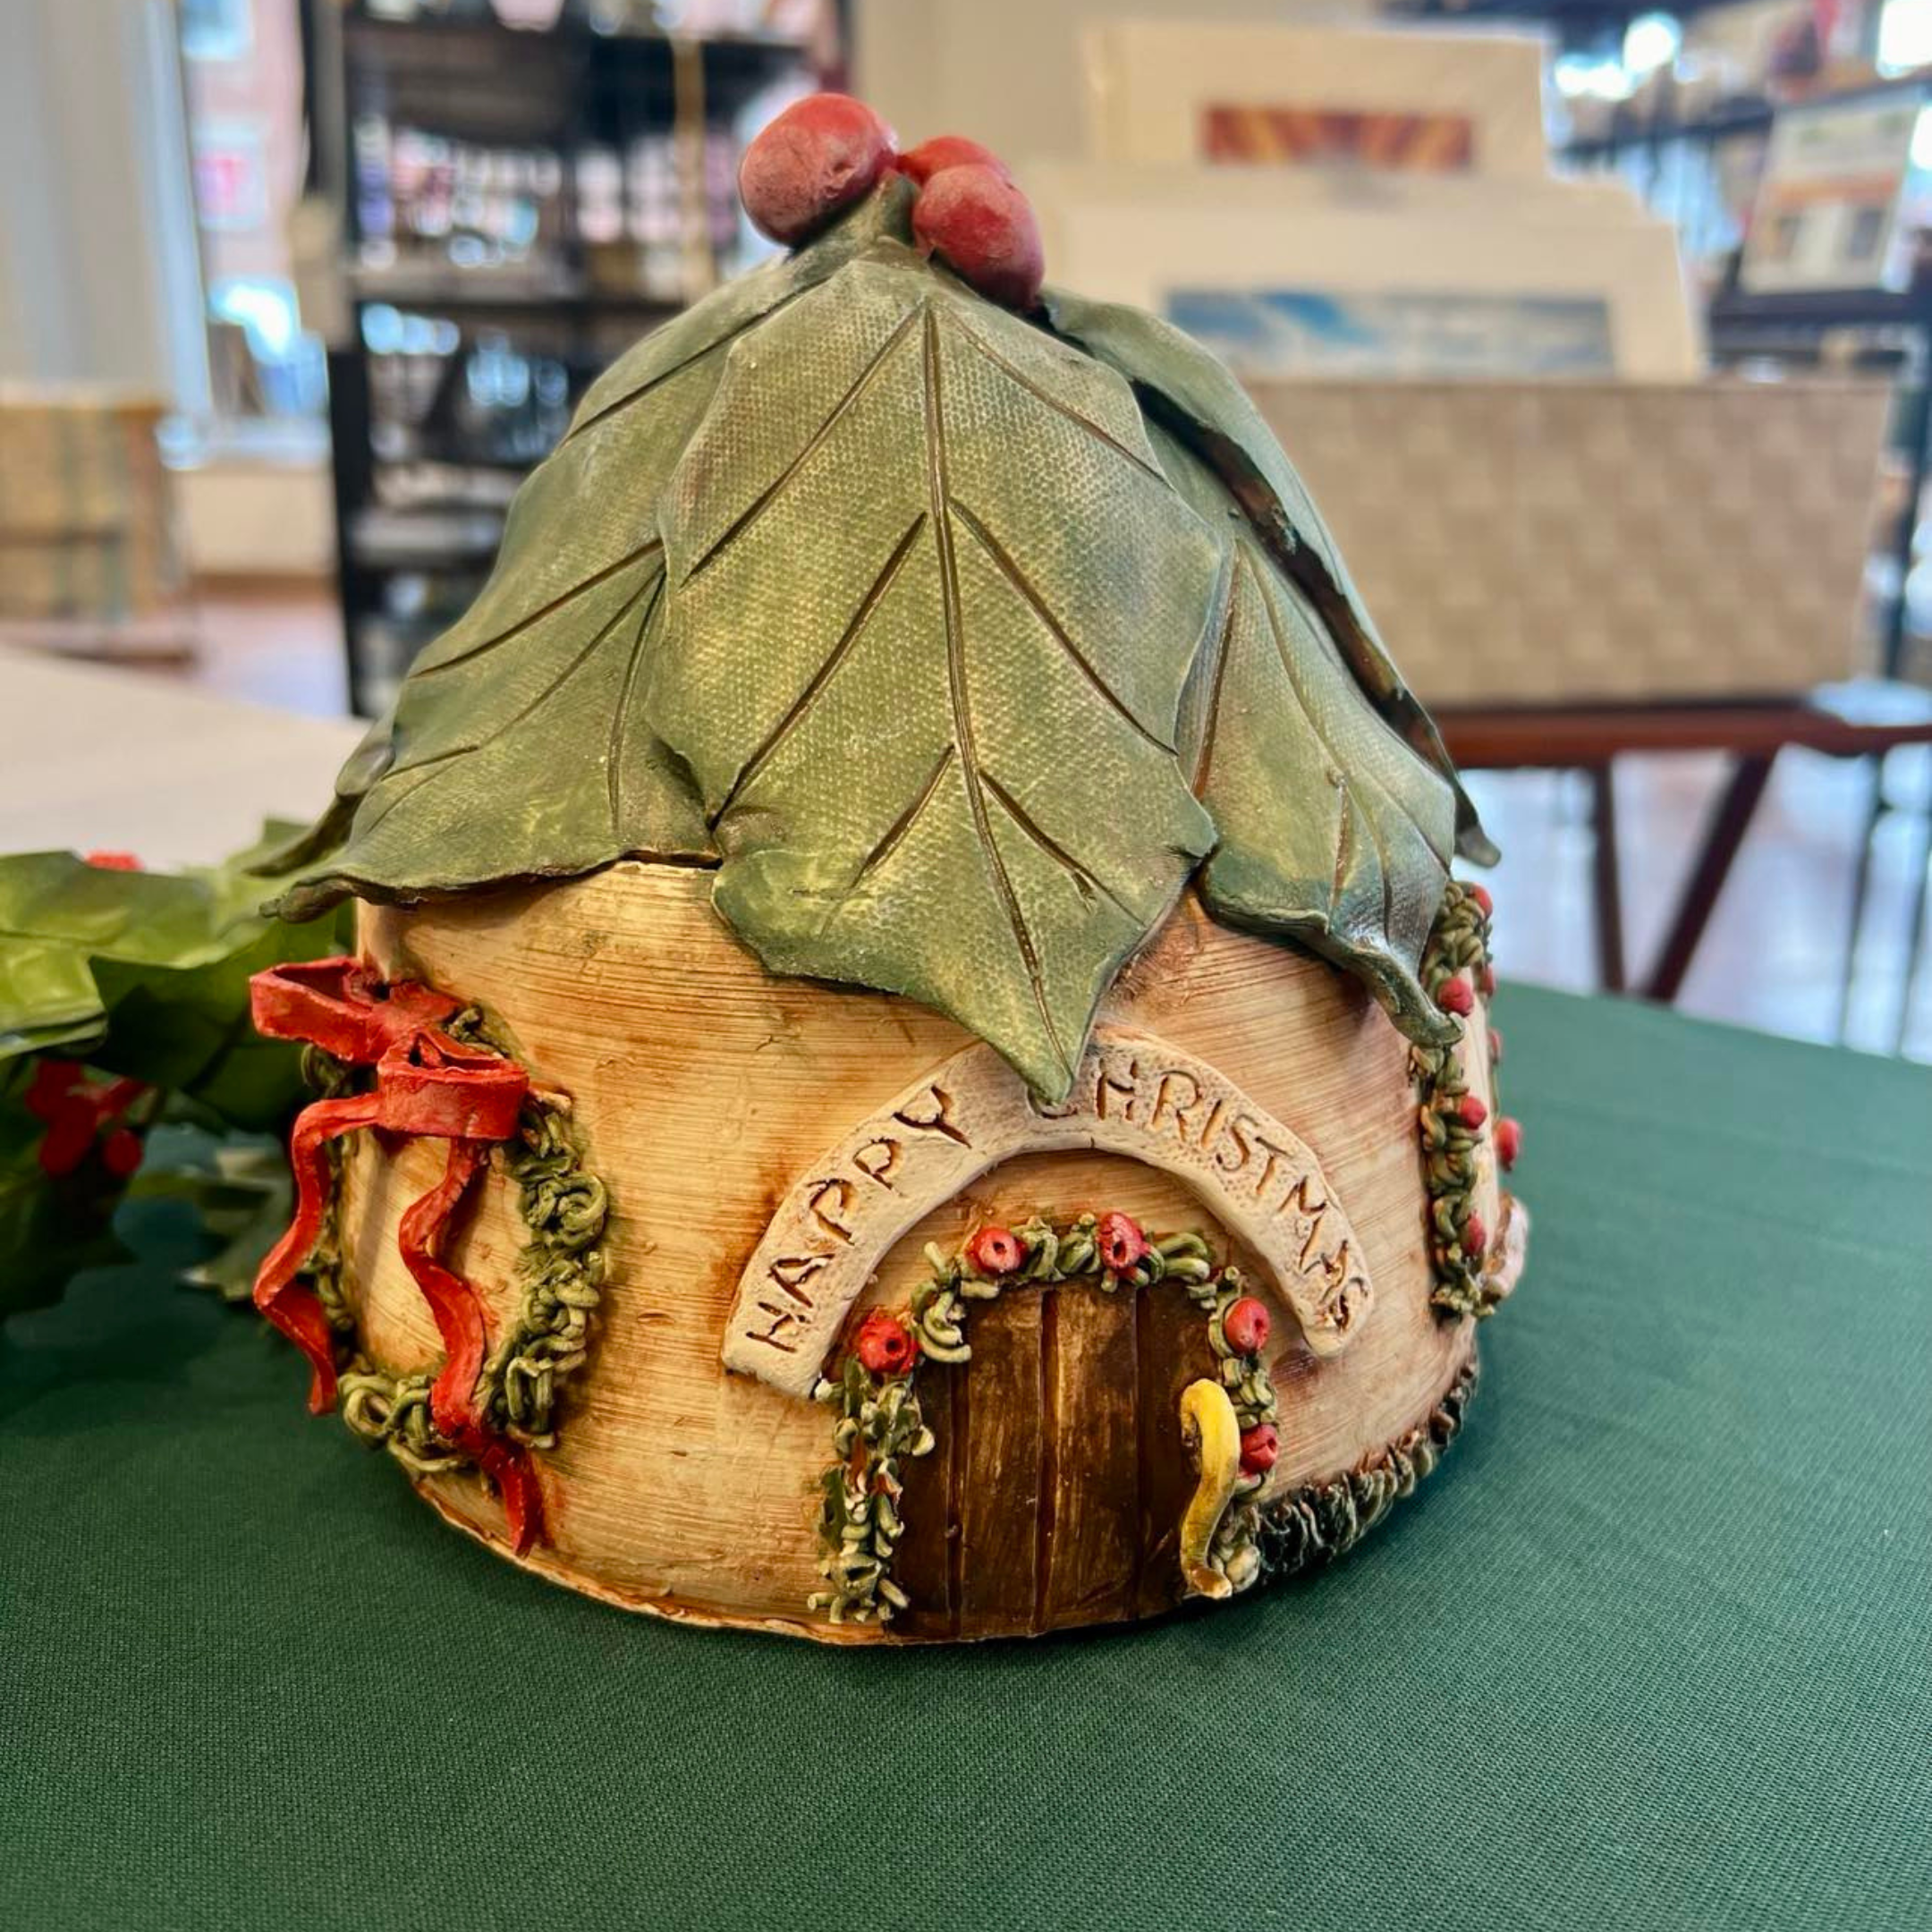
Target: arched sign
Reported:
point(1134, 1095)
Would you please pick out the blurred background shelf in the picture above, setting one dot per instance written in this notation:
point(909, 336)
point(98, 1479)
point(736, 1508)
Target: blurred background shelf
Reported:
point(517, 205)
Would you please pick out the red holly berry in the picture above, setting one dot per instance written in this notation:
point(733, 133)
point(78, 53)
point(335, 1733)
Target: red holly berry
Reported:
point(114, 861)
point(1260, 1446)
point(1471, 1111)
point(1486, 980)
point(52, 1081)
point(816, 158)
point(1475, 1238)
point(70, 1135)
point(1246, 1326)
point(1508, 1140)
point(1456, 997)
point(945, 151)
point(884, 1344)
point(120, 1152)
point(1122, 1246)
point(1485, 903)
point(982, 227)
point(996, 1251)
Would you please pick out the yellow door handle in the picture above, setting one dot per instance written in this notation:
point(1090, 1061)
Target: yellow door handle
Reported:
point(1212, 1438)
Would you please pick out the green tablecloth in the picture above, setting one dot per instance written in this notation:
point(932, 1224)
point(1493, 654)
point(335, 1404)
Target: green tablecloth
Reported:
point(1649, 1650)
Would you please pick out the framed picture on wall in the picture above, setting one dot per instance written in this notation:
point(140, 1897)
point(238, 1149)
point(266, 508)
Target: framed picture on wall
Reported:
point(1283, 98)
point(1427, 276)
point(1847, 188)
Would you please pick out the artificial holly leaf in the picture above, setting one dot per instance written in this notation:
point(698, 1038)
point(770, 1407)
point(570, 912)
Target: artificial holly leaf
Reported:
point(1331, 831)
point(931, 604)
point(517, 748)
point(1193, 396)
point(144, 974)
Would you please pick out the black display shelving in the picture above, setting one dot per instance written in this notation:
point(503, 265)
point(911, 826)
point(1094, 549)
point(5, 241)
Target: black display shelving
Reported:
point(465, 348)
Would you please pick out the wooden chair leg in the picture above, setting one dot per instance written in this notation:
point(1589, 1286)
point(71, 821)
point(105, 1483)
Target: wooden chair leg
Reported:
point(1607, 877)
point(1729, 824)
point(1875, 811)
point(1917, 935)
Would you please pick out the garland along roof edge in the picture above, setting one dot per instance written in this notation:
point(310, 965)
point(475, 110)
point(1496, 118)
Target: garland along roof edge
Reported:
point(1048, 628)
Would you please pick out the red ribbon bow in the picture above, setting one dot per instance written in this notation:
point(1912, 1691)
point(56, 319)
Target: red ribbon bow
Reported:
point(426, 1083)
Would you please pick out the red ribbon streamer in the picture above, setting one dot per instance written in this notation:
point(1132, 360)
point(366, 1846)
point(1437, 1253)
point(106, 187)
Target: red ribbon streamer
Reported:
point(427, 1084)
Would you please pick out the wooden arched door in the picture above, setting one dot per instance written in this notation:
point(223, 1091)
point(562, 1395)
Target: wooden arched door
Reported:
point(1053, 1493)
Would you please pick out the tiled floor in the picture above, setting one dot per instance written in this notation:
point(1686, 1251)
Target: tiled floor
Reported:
point(1773, 956)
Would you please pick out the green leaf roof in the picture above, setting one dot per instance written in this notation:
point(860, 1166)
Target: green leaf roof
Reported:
point(956, 642)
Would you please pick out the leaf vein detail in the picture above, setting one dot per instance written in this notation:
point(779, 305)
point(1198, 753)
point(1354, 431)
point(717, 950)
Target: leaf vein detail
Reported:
point(823, 676)
point(955, 642)
point(550, 609)
point(1024, 585)
point(1087, 884)
point(776, 488)
point(1061, 409)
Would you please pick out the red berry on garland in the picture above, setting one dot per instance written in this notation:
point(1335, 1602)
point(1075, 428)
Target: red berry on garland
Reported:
point(1455, 996)
point(1487, 980)
point(114, 861)
point(982, 228)
point(945, 151)
point(1496, 1045)
point(1260, 1446)
point(1475, 1238)
point(1508, 1140)
point(1485, 903)
point(996, 1251)
point(885, 1344)
point(120, 1152)
point(812, 162)
point(1246, 1325)
point(1122, 1246)
point(1471, 1111)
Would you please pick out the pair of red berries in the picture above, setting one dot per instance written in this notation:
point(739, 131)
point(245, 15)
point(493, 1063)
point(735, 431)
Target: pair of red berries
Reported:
point(828, 151)
point(79, 1113)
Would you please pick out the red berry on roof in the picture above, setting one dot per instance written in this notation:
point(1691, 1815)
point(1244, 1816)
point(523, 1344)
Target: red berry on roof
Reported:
point(996, 1251)
point(981, 227)
point(885, 1344)
point(1471, 1111)
point(114, 861)
point(1480, 895)
point(812, 162)
point(1246, 1326)
point(1122, 1246)
point(120, 1152)
point(945, 151)
point(1260, 1446)
point(1456, 995)
point(1508, 1140)
point(1475, 1238)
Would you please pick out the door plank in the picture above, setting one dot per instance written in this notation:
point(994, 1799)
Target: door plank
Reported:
point(1091, 1504)
point(999, 1473)
point(923, 1564)
point(1172, 1350)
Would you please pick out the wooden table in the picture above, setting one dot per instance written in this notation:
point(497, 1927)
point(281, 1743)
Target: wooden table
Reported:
point(1860, 720)
point(92, 759)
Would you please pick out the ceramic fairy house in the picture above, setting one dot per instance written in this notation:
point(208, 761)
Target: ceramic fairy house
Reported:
point(914, 1068)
